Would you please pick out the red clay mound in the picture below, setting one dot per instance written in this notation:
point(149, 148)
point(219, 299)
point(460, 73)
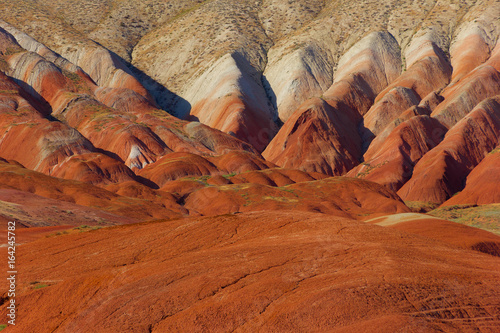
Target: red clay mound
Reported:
point(322, 135)
point(212, 139)
point(113, 131)
point(428, 71)
point(364, 71)
point(94, 169)
point(117, 116)
point(49, 145)
point(229, 96)
point(141, 136)
point(13, 176)
point(276, 177)
point(373, 146)
point(389, 107)
point(467, 53)
point(254, 272)
point(317, 138)
point(339, 196)
point(479, 85)
point(177, 165)
point(442, 171)
point(45, 80)
point(30, 210)
point(483, 183)
point(240, 161)
point(392, 164)
point(123, 99)
point(235, 116)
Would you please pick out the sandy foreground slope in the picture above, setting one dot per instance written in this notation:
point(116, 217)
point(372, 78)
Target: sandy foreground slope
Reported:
point(262, 271)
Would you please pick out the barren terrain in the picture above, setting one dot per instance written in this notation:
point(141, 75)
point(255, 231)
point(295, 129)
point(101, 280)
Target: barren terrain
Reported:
point(246, 166)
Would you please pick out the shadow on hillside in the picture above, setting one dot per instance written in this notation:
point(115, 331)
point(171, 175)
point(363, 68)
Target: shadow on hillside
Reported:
point(367, 137)
point(164, 98)
point(33, 97)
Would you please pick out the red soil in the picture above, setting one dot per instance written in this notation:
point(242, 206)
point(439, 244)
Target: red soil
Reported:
point(445, 231)
point(254, 272)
